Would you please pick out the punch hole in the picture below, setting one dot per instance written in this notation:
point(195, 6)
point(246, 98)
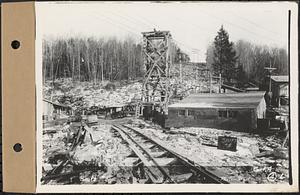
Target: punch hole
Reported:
point(15, 44)
point(18, 147)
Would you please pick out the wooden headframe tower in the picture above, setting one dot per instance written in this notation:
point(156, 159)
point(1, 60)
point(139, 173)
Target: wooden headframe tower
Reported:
point(157, 60)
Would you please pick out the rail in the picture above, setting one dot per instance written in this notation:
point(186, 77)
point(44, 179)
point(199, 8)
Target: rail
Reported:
point(189, 170)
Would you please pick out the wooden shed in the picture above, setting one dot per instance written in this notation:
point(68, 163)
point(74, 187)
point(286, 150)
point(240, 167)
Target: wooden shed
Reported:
point(235, 111)
point(53, 110)
point(280, 89)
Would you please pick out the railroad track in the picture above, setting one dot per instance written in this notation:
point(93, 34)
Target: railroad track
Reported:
point(163, 165)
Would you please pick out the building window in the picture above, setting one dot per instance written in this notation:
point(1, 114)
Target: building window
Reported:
point(227, 113)
point(181, 112)
point(191, 112)
point(232, 114)
point(223, 113)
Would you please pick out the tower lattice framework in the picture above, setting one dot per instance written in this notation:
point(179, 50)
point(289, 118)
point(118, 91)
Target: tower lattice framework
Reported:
point(157, 61)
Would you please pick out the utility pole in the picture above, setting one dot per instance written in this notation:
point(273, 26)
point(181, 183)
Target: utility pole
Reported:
point(220, 83)
point(101, 61)
point(52, 69)
point(180, 64)
point(270, 70)
point(210, 82)
point(269, 94)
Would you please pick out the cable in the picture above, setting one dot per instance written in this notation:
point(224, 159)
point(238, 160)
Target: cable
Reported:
point(238, 26)
point(128, 20)
point(133, 20)
point(190, 48)
point(148, 21)
point(255, 24)
point(131, 30)
point(157, 25)
point(128, 29)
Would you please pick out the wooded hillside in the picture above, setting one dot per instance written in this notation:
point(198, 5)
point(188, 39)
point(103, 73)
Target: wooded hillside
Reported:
point(252, 59)
point(91, 59)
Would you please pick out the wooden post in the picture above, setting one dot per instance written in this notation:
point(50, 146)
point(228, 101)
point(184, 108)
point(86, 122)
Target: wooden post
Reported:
point(210, 82)
point(270, 69)
point(180, 71)
point(220, 83)
point(270, 82)
point(101, 61)
point(180, 68)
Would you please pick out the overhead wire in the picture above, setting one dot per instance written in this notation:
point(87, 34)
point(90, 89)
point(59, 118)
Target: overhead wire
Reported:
point(237, 26)
point(254, 23)
point(132, 20)
point(120, 25)
point(128, 20)
point(187, 46)
point(157, 26)
point(135, 21)
point(196, 26)
point(147, 23)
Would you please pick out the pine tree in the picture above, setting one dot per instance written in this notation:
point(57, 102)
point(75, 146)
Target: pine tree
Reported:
point(224, 59)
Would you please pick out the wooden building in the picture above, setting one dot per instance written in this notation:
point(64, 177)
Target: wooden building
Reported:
point(53, 110)
point(280, 90)
point(234, 111)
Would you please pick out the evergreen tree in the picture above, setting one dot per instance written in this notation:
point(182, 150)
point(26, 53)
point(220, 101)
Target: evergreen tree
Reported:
point(224, 59)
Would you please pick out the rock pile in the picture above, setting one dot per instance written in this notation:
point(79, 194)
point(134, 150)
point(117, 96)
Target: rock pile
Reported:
point(85, 95)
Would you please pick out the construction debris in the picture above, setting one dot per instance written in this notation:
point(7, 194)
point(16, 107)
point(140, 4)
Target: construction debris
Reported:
point(252, 151)
point(83, 149)
point(83, 155)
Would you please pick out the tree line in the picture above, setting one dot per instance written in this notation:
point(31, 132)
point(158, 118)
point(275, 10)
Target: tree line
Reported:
point(94, 60)
point(244, 61)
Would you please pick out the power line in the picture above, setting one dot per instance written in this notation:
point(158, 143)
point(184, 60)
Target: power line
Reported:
point(139, 19)
point(238, 26)
point(200, 27)
point(255, 24)
point(127, 19)
point(131, 30)
point(186, 45)
point(125, 27)
point(172, 38)
point(134, 20)
point(196, 26)
point(150, 23)
point(177, 41)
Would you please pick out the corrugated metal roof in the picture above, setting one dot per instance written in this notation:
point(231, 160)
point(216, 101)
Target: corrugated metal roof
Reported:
point(280, 79)
point(221, 100)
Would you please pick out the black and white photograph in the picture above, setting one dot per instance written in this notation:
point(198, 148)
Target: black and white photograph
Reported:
point(163, 93)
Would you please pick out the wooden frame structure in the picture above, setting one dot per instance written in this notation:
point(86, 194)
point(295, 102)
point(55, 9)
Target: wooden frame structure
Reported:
point(157, 61)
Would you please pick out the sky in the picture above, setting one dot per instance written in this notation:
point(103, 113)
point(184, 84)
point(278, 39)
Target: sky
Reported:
point(193, 25)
